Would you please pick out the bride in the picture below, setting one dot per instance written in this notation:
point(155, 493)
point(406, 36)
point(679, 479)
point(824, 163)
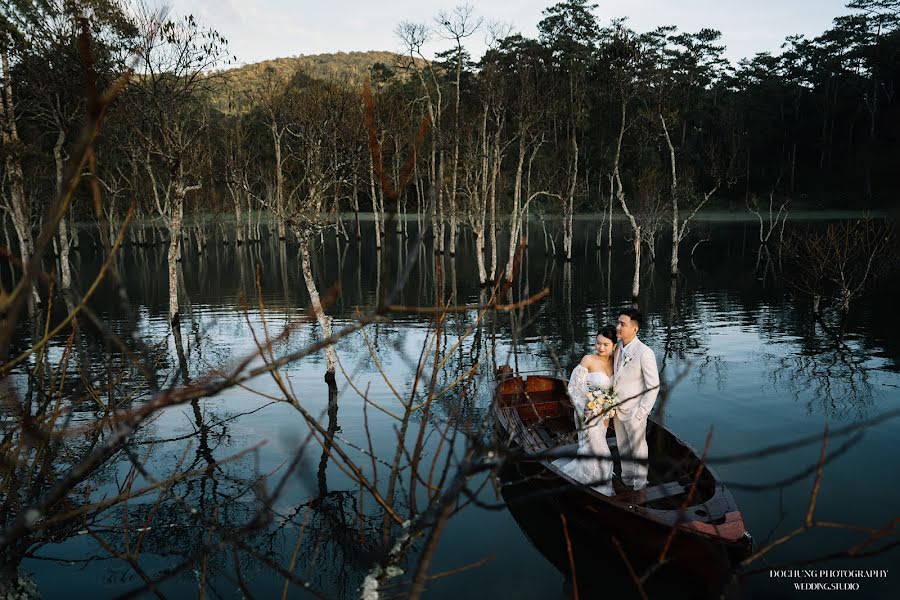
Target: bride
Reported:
point(595, 371)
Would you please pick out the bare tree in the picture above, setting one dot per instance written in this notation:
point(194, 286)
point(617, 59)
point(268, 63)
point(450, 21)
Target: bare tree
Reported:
point(173, 122)
point(620, 195)
point(651, 208)
point(414, 36)
point(456, 26)
point(679, 225)
point(17, 202)
point(237, 174)
point(767, 229)
point(274, 100)
point(839, 261)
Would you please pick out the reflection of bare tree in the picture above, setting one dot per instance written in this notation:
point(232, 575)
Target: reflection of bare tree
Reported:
point(829, 370)
point(838, 382)
point(684, 332)
point(765, 265)
point(333, 428)
point(710, 365)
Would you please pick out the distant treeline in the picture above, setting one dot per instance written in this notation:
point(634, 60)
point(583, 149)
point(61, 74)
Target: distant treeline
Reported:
point(589, 116)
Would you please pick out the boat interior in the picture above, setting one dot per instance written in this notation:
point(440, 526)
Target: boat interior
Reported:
point(543, 408)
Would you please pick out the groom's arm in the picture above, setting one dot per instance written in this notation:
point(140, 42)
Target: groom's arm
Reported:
point(651, 384)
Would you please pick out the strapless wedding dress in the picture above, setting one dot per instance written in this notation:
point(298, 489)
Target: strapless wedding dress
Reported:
point(596, 468)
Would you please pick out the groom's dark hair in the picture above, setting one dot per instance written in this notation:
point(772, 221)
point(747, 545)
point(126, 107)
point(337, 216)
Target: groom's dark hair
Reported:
point(633, 314)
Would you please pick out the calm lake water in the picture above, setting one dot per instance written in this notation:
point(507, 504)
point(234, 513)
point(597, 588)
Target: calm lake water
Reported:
point(739, 355)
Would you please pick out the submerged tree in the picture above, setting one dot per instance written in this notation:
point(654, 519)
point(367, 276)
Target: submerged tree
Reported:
point(170, 117)
point(840, 261)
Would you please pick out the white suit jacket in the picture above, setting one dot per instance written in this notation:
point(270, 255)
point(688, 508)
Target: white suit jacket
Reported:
point(636, 381)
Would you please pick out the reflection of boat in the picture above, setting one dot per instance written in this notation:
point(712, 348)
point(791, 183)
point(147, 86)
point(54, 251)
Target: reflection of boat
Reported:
point(535, 415)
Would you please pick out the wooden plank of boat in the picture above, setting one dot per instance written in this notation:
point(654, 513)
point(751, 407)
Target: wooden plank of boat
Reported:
point(652, 493)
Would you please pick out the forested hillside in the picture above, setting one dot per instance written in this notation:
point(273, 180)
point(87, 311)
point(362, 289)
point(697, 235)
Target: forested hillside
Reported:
point(240, 83)
point(587, 116)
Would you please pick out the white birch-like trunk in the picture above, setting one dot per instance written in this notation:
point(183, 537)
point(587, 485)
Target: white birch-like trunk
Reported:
point(356, 206)
point(65, 269)
point(517, 201)
point(442, 227)
point(492, 201)
point(479, 227)
point(636, 229)
point(20, 211)
point(432, 198)
point(679, 226)
point(375, 211)
point(568, 233)
point(636, 281)
point(454, 221)
point(609, 231)
point(598, 240)
point(175, 232)
point(112, 219)
point(419, 200)
point(453, 175)
point(676, 229)
point(279, 184)
point(323, 319)
point(238, 218)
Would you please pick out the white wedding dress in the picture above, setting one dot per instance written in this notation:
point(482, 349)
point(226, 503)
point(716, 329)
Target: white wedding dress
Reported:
point(593, 471)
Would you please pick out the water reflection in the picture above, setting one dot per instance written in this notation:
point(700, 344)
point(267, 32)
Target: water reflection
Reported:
point(739, 346)
point(831, 371)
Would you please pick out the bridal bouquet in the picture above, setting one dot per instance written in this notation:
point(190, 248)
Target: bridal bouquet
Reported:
point(602, 402)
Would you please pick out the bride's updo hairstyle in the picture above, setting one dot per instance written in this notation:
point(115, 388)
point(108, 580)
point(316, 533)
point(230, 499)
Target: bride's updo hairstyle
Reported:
point(609, 332)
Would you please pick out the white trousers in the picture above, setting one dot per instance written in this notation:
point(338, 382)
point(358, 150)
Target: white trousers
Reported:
point(631, 439)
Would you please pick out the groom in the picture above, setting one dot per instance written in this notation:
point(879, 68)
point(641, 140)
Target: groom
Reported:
point(636, 381)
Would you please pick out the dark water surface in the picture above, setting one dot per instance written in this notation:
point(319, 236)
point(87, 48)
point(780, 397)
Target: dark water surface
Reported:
point(739, 355)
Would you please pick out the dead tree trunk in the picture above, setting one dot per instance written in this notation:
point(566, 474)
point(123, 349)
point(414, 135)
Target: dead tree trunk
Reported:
point(676, 238)
point(19, 208)
point(174, 223)
point(517, 200)
point(479, 226)
point(375, 211)
point(635, 226)
point(323, 319)
point(439, 185)
point(492, 202)
point(679, 228)
point(355, 196)
point(569, 209)
point(609, 231)
point(65, 270)
point(238, 216)
point(279, 183)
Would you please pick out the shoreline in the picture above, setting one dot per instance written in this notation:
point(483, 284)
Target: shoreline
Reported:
point(702, 216)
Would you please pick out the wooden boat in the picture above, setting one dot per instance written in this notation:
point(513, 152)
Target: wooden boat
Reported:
point(534, 414)
point(598, 568)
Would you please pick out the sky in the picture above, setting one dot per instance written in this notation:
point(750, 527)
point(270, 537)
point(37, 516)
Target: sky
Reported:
point(262, 29)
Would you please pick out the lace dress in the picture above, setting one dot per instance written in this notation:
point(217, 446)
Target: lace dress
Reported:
point(593, 471)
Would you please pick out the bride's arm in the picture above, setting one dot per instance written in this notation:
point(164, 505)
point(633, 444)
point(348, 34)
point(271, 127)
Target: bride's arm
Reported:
point(578, 388)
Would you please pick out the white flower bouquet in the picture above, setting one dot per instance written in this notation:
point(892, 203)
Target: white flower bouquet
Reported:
point(601, 402)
